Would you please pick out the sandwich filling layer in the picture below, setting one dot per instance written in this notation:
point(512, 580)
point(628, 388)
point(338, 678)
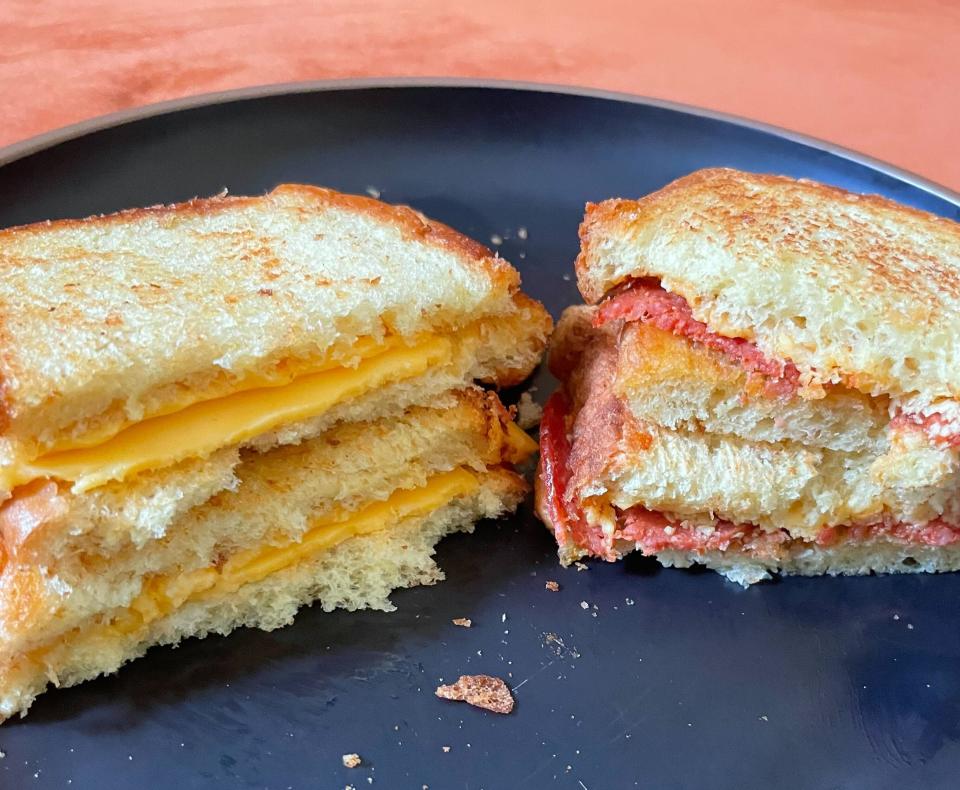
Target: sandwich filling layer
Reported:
point(646, 301)
point(164, 594)
point(584, 527)
point(195, 426)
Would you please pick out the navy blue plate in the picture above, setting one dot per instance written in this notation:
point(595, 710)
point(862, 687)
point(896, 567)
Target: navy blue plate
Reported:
point(630, 676)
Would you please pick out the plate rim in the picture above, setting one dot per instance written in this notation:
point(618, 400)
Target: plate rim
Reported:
point(45, 140)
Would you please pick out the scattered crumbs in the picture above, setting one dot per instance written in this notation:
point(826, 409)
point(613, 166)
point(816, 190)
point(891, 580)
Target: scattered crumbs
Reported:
point(463, 622)
point(764, 718)
point(522, 254)
point(552, 586)
point(896, 617)
point(373, 192)
point(556, 644)
point(396, 727)
point(581, 566)
point(529, 411)
point(349, 787)
point(1, 753)
point(351, 760)
point(496, 239)
point(566, 277)
point(628, 601)
point(446, 749)
point(593, 614)
point(130, 757)
point(503, 617)
point(4, 754)
point(481, 691)
point(369, 780)
point(909, 626)
point(689, 724)
point(584, 605)
point(522, 233)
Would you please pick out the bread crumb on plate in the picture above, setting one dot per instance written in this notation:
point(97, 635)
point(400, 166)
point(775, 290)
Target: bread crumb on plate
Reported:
point(351, 760)
point(463, 622)
point(481, 691)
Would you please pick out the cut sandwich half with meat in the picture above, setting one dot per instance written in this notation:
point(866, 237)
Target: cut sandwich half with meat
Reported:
point(217, 411)
point(759, 386)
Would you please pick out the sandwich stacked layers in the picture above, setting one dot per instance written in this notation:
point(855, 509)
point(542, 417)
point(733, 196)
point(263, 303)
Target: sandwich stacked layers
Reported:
point(218, 411)
point(768, 379)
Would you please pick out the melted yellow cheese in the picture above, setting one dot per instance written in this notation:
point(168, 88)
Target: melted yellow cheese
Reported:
point(165, 594)
point(204, 427)
point(518, 445)
point(181, 396)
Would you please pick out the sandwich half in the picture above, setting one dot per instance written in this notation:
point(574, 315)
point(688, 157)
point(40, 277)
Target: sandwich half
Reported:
point(765, 379)
point(218, 411)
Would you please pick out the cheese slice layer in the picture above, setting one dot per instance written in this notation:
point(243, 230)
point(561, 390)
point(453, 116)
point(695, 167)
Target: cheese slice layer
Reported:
point(164, 594)
point(204, 427)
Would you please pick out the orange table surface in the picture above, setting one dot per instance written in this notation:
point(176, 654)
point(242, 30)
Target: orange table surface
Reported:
point(878, 76)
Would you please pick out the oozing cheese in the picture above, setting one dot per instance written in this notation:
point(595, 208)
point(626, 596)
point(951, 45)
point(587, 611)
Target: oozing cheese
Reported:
point(203, 427)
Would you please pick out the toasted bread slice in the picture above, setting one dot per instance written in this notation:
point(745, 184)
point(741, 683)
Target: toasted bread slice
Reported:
point(666, 380)
point(850, 288)
point(108, 320)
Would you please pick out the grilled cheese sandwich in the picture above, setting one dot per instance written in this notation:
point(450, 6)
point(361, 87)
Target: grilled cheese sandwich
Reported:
point(255, 389)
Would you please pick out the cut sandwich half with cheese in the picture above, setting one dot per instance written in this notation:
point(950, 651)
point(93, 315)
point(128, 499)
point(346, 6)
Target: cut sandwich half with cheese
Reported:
point(765, 381)
point(217, 411)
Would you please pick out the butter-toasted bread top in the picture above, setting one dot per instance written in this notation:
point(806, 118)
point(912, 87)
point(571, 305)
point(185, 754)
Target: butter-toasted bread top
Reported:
point(107, 310)
point(852, 288)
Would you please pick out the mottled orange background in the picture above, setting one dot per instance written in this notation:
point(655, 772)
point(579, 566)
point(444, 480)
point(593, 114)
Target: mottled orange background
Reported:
point(880, 76)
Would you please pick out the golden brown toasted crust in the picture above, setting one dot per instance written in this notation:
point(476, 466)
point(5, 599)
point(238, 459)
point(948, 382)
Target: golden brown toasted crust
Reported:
point(537, 325)
point(758, 204)
point(650, 354)
point(851, 288)
point(412, 223)
point(665, 379)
